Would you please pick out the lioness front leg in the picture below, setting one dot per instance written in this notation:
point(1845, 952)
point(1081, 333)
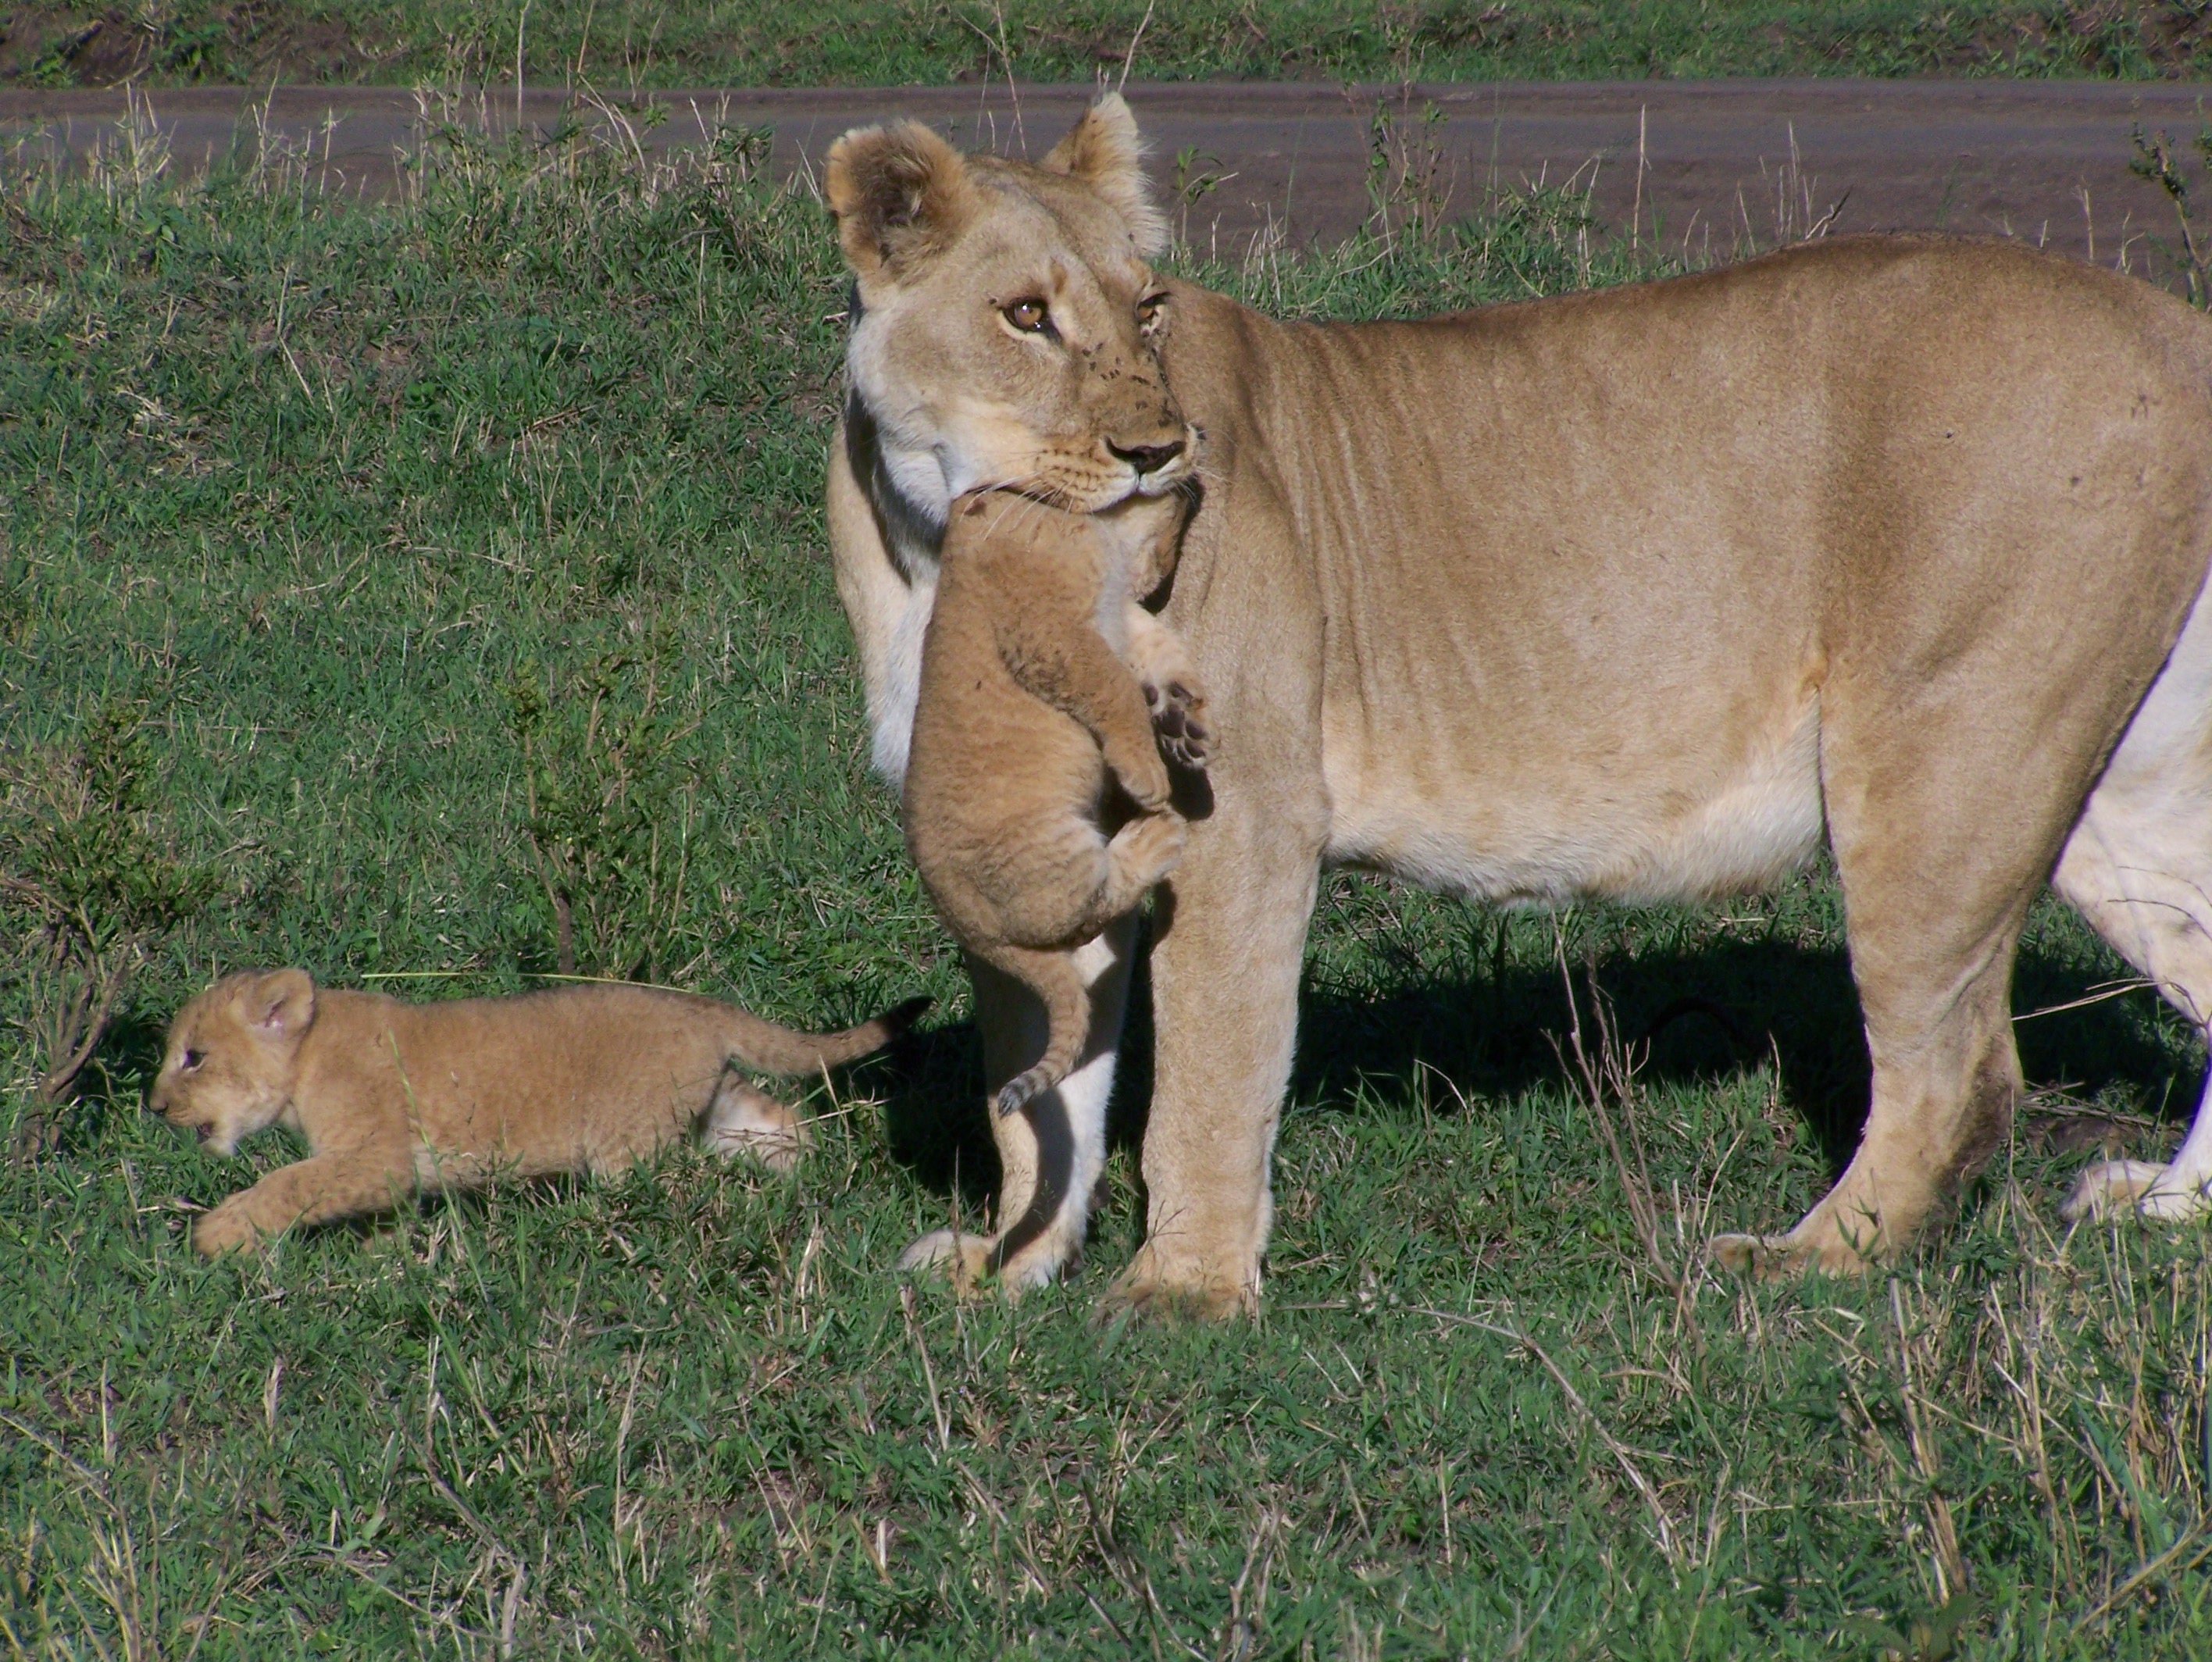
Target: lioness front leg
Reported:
point(1226, 959)
point(1052, 1153)
point(318, 1189)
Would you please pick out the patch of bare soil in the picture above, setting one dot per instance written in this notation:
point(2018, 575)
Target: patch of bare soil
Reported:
point(75, 46)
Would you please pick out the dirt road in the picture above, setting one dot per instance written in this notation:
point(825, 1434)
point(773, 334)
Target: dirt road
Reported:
point(1721, 162)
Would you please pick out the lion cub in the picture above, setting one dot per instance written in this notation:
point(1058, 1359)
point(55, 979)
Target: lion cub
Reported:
point(394, 1098)
point(1041, 674)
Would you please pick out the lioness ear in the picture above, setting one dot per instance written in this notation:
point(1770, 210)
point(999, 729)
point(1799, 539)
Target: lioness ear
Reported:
point(282, 1004)
point(900, 194)
point(1103, 151)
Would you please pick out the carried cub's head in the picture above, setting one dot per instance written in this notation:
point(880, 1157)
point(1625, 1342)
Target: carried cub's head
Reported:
point(234, 1056)
point(1008, 320)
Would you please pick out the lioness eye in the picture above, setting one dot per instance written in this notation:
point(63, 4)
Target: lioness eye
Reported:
point(1031, 317)
point(1149, 310)
point(192, 1059)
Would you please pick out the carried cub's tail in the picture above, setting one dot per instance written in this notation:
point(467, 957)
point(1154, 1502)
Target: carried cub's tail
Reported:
point(765, 1046)
point(1055, 979)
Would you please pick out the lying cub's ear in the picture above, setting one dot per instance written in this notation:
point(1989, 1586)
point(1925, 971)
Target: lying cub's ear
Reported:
point(1104, 152)
point(282, 1004)
point(900, 194)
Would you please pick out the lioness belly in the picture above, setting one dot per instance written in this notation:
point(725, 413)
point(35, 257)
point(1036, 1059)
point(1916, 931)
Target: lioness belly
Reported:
point(1653, 828)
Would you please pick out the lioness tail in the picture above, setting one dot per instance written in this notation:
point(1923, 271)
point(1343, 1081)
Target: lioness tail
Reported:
point(769, 1048)
point(1054, 978)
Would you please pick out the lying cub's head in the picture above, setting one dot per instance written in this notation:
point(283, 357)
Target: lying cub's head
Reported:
point(233, 1055)
point(1008, 322)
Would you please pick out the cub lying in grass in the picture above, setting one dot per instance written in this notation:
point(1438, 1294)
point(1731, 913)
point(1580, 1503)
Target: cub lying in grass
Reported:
point(1040, 674)
point(395, 1098)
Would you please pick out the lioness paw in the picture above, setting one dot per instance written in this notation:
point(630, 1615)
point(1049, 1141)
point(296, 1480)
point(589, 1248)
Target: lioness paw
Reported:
point(962, 1259)
point(1153, 1289)
point(1179, 723)
point(1779, 1257)
point(2141, 1187)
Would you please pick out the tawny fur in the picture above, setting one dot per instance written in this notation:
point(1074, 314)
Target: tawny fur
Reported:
point(1025, 710)
point(396, 1098)
point(1639, 593)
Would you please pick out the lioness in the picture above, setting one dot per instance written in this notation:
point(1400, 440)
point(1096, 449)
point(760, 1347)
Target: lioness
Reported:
point(1637, 593)
point(394, 1098)
point(1025, 709)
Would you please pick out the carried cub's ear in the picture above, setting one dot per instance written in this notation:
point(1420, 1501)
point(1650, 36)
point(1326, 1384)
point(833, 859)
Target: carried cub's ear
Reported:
point(900, 194)
point(282, 1004)
point(1103, 151)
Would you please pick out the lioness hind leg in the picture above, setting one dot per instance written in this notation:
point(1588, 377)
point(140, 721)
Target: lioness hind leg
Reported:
point(1935, 887)
point(2139, 868)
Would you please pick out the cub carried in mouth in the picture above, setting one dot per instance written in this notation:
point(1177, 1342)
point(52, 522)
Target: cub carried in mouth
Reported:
point(1042, 675)
point(396, 1097)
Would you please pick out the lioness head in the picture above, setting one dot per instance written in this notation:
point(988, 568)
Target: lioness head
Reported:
point(233, 1055)
point(1006, 323)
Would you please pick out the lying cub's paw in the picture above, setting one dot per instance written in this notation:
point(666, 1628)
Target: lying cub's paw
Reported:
point(225, 1230)
point(1178, 721)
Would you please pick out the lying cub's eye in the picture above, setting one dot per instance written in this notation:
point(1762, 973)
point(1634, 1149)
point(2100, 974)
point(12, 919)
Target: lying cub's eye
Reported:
point(194, 1059)
point(1150, 309)
point(1031, 317)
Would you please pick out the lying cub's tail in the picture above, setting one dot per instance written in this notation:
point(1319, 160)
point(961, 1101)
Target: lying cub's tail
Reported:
point(1055, 979)
point(771, 1049)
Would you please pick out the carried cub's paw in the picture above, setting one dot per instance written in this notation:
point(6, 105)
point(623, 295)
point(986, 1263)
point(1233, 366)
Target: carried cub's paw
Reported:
point(1179, 723)
point(225, 1230)
point(1144, 779)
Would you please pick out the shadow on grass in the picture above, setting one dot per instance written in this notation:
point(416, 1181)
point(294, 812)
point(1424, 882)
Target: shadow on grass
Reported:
point(1707, 1015)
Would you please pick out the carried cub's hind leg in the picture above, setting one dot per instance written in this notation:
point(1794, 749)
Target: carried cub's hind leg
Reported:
point(743, 1120)
point(1063, 902)
point(2139, 868)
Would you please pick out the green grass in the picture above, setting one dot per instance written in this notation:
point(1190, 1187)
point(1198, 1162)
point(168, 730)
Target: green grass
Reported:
point(314, 482)
point(873, 42)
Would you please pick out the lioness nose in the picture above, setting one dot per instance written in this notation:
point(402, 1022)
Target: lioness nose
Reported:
point(1146, 458)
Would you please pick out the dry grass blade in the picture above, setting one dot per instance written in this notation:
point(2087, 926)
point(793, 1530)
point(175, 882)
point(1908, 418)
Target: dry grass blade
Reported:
point(1610, 1075)
point(1663, 1523)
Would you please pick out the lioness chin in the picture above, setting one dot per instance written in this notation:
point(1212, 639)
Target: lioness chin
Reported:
point(1891, 542)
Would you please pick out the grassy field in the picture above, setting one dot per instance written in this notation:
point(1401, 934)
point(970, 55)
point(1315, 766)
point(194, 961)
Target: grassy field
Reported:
point(880, 42)
point(325, 531)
